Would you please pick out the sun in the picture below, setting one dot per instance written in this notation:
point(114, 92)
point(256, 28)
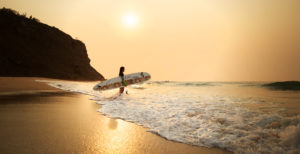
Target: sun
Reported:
point(130, 20)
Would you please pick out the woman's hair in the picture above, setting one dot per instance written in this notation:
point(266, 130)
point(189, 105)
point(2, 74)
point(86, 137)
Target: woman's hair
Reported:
point(122, 69)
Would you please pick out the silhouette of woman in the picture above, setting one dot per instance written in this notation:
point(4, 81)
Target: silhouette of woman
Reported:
point(121, 75)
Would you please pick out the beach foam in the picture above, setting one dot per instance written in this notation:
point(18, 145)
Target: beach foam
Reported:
point(199, 115)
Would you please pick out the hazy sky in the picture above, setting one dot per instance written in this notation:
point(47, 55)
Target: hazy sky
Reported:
point(183, 40)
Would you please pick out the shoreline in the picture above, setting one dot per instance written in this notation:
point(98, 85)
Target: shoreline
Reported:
point(41, 118)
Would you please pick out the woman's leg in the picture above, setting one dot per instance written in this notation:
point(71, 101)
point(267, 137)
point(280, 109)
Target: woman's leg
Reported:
point(121, 90)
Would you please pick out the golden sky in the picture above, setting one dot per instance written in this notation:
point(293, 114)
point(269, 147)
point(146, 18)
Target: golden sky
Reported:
point(182, 40)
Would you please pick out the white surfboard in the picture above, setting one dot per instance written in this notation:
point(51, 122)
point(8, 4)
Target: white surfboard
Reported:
point(116, 82)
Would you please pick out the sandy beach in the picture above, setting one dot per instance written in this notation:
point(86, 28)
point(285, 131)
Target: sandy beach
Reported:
point(37, 118)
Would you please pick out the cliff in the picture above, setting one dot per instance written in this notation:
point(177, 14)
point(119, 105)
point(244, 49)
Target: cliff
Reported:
point(33, 49)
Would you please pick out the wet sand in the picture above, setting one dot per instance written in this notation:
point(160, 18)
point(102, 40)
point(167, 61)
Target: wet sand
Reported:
point(36, 118)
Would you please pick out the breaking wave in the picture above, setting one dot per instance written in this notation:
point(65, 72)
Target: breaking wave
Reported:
point(198, 116)
point(287, 85)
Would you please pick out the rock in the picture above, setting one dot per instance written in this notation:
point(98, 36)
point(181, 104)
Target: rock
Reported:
point(33, 49)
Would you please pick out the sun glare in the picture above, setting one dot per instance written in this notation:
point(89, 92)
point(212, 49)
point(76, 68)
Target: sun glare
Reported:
point(130, 20)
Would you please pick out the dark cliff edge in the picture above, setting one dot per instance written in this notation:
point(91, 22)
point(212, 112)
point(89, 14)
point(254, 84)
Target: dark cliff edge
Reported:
point(286, 85)
point(29, 48)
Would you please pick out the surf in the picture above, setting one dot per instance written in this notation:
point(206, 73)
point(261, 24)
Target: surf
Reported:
point(210, 116)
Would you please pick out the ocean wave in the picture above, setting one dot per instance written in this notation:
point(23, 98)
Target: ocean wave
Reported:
point(175, 83)
point(196, 84)
point(158, 82)
point(193, 117)
point(203, 84)
point(211, 122)
point(286, 85)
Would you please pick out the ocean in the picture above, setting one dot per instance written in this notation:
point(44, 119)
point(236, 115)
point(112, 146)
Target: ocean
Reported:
point(242, 117)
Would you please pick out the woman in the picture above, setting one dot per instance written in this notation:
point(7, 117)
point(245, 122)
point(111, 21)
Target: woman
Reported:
point(121, 74)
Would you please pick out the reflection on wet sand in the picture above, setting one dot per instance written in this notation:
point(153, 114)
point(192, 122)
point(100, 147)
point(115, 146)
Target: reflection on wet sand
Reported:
point(112, 124)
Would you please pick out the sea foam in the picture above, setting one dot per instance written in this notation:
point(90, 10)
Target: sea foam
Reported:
point(198, 115)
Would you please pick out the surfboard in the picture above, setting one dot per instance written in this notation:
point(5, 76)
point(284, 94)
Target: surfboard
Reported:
point(116, 82)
